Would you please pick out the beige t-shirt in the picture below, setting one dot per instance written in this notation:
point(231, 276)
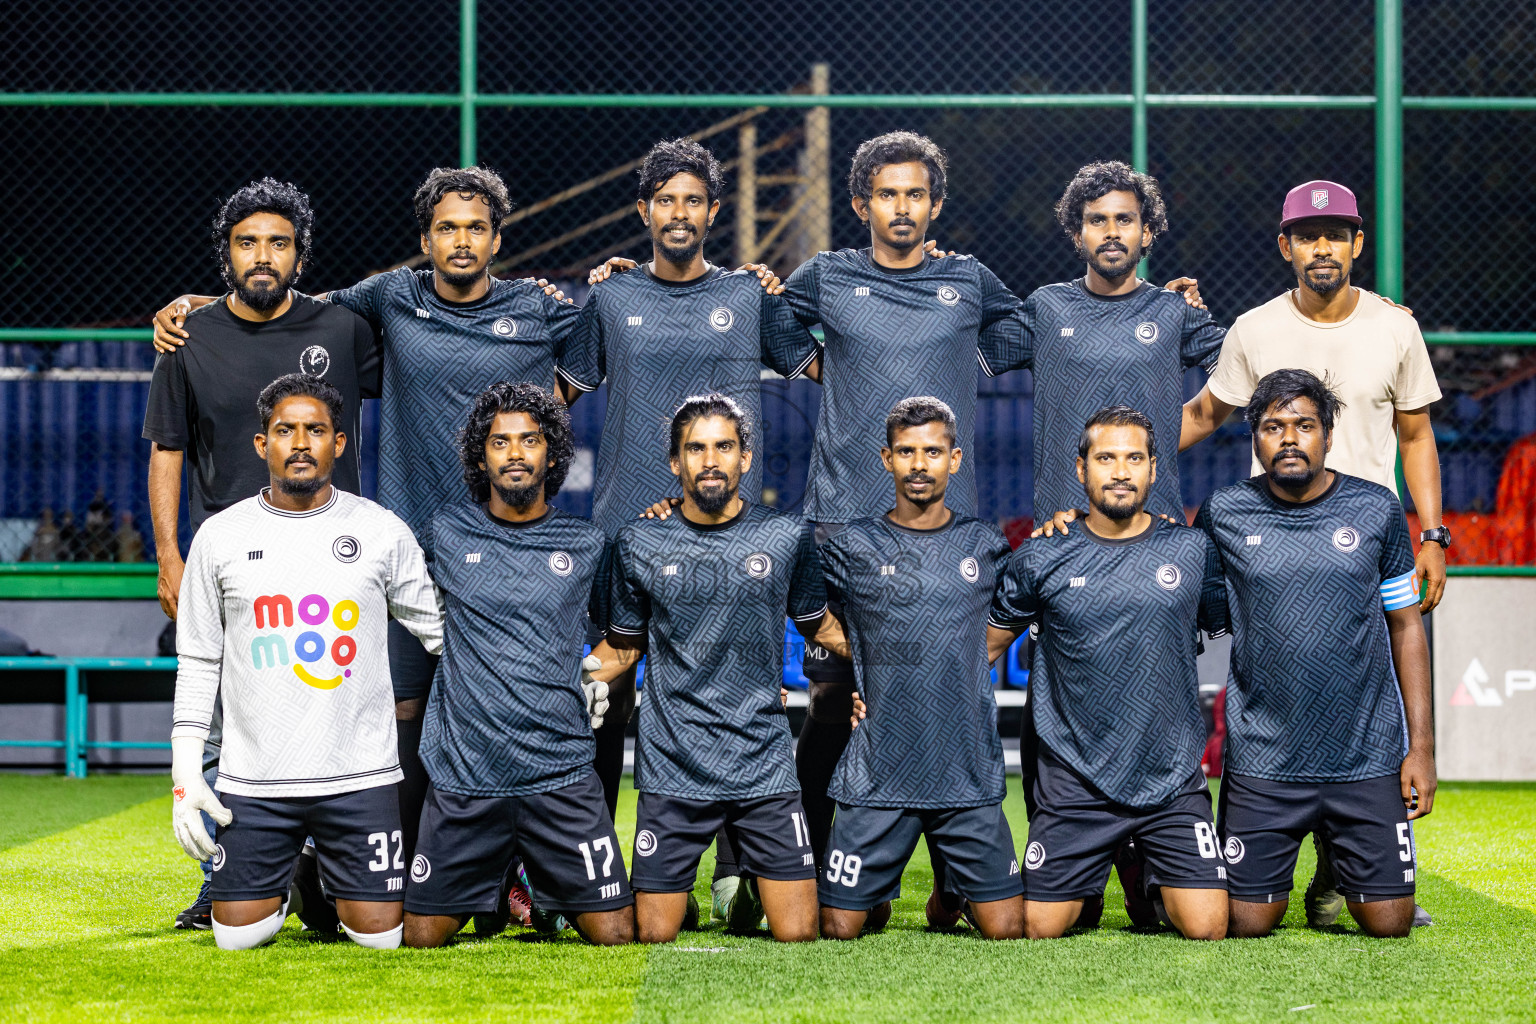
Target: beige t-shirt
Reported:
point(1375, 359)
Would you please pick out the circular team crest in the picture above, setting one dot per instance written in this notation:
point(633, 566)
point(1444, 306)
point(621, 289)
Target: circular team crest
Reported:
point(1146, 332)
point(218, 856)
point(970, 569)
point(721, 319)
point(948, 294)
point(758, 565)
point(346, 549)
point(645, 843)
point(1234, 850)
point(1346, 538)
point(314, 361)
point(505, 327)
point(560, 563)
point(1168, 576)
point(421, 868)
point(1034, 856)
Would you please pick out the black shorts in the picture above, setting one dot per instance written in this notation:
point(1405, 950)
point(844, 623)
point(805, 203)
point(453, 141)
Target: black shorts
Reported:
point(870, 846)
point(1075, 832)
point(357, 836)
point(1363, 823)
point(411, 668)
point(565, 838)
point(672, 833)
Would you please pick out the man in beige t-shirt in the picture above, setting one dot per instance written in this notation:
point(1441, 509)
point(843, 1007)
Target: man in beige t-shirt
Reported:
point(1370, 351)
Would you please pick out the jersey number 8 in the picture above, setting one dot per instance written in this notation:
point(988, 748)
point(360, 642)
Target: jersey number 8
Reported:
point(843, 869)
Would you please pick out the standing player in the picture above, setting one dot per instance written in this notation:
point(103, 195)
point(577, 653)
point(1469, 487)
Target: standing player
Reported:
point(1325, 616)
point(912, 588)
point(282, 613)
point(705, 592)
point(679, 326)
point(200, 400)
point(1374, 354)
point(445, 333)
point(508, 737)
point(1117, 705)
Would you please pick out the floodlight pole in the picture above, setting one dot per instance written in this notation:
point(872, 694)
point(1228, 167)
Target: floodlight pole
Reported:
point(468, 82)
point(1388, 228)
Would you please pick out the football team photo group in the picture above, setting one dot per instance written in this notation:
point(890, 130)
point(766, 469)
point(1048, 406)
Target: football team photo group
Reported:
point(404, 720)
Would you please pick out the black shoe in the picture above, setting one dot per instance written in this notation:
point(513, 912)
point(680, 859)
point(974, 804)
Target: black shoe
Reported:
point(1091, 914)
point(316, 910)
point(487, 924)
point(1133, 879)
point(199, 916)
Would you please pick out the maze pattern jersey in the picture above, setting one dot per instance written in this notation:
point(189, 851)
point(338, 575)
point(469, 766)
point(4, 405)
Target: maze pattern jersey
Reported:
point(282, 622)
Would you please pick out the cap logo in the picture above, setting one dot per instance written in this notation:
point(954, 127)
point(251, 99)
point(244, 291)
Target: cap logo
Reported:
point(1320, 199)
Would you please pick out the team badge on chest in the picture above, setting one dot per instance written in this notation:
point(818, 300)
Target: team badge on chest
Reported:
point(1346, 538)
point(758, 565)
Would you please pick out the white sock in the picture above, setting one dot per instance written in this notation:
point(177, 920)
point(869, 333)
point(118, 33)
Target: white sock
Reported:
point(377, 940)
point(248, 936)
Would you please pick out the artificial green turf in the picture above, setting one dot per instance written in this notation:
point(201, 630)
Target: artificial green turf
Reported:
point(91, 878)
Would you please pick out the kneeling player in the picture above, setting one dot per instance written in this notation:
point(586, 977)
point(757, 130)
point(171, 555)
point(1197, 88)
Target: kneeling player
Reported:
point(913, 587)
point(1115, 694)
point(508, 738)
point(705, 592)
point(1321, 568)
point(282, 617)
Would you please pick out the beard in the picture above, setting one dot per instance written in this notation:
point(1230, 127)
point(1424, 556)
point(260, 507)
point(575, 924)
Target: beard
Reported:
point(303, 487)
point(679, 254)
point(521, 495)
point(456, 278)
point(1292, 479)
point(1133, 255)
point(712, 502)
point(261, 298)
point(1117, 511)
point(1327, 287)
point(933, 495)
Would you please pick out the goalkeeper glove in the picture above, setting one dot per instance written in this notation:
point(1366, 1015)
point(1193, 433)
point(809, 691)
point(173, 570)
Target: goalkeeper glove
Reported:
point(192, 796)
point(595, 690)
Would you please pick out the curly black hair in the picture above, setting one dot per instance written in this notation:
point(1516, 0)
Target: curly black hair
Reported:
point(897, 148)
point(547, 411)
point(292, 384)
point(672, 157)
point(713, 404)
point(1096, 180)
point(1282, 387)
point(465, 182)
point(265, 196)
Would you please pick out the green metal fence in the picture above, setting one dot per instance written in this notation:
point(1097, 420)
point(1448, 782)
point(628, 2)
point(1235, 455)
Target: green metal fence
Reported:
point(1424, 106)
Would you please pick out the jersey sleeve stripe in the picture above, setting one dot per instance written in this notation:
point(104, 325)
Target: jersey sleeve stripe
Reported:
point(810, 357)
point(985, 366)
point(812, 617)
point(573, 382)
point(614, 627)
point(1400, 592)
point(1010, 626)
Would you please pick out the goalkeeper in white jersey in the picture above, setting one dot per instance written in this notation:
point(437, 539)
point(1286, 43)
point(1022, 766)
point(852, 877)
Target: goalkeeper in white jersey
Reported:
point(284, 602)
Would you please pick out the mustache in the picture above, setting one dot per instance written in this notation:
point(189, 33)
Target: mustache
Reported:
point(299, 458)
point(1325, 263)
point(675, 224)
point(262, 269)
point(917, 478)
point(509, 467)
point(1111, 247)
point(907, 222)
point(1292, 453)
point(710, 474)
point(1129, 487)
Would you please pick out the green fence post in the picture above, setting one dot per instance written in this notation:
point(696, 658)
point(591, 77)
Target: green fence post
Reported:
point(1139, 95)
point(468, 81)
point(74, 737)
point(1389, 148)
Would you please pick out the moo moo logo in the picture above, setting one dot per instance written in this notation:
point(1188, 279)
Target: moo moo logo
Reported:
point(310, 647)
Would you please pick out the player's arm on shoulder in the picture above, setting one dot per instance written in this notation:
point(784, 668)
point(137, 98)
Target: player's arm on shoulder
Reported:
point(1410, 658)
point(1015, 605)
point(1201, 416)
point(1189, 288)
point(171, 321)
point(612, 265)
point(412, 595)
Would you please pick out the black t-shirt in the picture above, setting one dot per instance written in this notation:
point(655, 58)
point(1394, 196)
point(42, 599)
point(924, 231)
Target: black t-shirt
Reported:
point(202, 397)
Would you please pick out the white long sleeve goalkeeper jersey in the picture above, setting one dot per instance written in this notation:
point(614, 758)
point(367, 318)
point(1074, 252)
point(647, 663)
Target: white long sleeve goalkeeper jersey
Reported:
point(287, 611)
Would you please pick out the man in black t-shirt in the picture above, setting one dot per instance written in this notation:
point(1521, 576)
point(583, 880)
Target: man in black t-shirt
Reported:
point(202, 398)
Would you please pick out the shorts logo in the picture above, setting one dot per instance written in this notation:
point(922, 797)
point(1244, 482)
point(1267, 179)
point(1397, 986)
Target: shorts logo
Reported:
point(1346, 538)
point(218, 857)
point(1146, 332)
point(645, 843)
point(506, 327)
point(970, 569)
point(421, 869)
point(1234, 850)
point(560, 563)
point(346, 549)
point(721, 319)
point(1168, 576)
point(759, 565)
point(1319, 199)
point(1034, 856)
point(315, 361)
point(948, 295)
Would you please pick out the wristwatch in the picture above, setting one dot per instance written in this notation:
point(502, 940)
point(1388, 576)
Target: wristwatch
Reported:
point(1440, 535)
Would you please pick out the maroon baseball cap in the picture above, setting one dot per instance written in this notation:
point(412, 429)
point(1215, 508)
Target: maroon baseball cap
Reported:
point(1319, 199)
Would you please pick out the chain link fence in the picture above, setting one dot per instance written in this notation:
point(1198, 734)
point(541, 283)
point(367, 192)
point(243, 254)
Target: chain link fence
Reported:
point(109, 197)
